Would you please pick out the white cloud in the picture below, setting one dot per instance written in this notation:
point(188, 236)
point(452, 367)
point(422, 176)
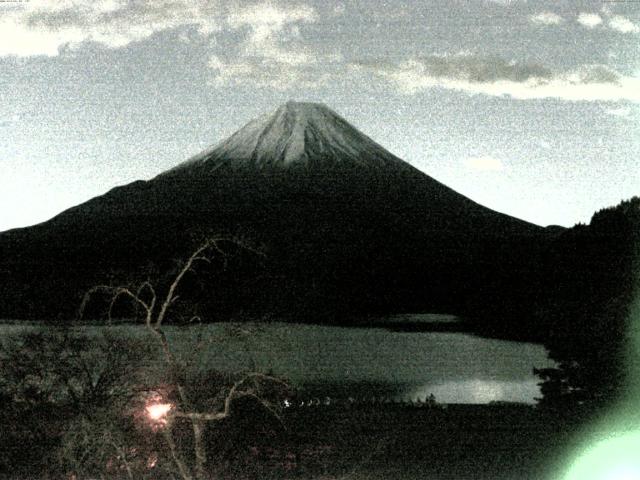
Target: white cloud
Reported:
point(546, 18)
point(507, 2)
point(623, 24)
point(273, 31)
point(270, 16)
point(9, 120)
point(618, 23)
point(589, 20)
point(484, 163)
point(43, 27)
point(339, 9)
point(267, 72)
point(273, 53)
point(618, 112)
point(496, 77)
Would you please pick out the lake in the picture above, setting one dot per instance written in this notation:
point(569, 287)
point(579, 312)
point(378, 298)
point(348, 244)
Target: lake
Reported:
point(361, 362)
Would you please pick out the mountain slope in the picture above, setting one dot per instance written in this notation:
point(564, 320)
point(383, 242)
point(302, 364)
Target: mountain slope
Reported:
point(306, 152)
point(344, 222)
point(301, 134)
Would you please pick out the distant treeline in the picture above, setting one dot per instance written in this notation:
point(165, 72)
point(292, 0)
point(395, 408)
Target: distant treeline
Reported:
point(576, 299)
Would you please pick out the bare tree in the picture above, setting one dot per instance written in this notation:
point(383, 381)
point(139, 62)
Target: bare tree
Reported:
point(155, 308)
point(62, 393)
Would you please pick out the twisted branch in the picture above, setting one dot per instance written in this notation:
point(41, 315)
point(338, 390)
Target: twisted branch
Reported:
point(154, 324)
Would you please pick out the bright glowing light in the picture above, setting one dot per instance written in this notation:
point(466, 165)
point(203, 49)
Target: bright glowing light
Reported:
point(152, 461)
point(158, 411)
point(613, 459)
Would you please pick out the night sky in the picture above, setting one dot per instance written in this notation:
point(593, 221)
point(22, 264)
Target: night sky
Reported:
point(528, 107)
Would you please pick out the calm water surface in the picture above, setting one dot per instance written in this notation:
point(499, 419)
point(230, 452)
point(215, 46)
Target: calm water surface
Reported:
point(335, 361)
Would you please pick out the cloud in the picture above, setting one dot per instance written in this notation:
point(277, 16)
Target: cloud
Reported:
point(623, 24)
point(273, 53)
point(507, 2)
point(266, 18)
point(268, 72)
point(273, 33)
point(618, 112)
point(270, 52)
point(42, 27)
point(496, 77)
point(617, 23)
point(484, 163)
point(339, 9)
point(589, 20)
point(546, 18)
point(461, 66)
point(9, 120)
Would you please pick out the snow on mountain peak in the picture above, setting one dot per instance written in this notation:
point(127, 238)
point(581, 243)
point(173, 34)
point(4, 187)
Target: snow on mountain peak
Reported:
point(297, 133)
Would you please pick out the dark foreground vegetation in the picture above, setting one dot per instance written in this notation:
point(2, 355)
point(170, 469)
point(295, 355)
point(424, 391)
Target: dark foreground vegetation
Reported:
point(406, 442)
point(586, 315)
point(105, 407)
point(76, 407)
point(446, 442)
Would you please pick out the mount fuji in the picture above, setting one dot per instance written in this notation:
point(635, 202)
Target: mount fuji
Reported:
point(345, 224)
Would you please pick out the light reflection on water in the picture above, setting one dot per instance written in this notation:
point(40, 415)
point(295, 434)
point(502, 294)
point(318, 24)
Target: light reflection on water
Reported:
point(476, 391)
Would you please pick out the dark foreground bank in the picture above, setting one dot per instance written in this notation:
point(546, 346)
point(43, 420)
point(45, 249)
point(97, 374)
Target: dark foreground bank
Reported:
point(401, 442)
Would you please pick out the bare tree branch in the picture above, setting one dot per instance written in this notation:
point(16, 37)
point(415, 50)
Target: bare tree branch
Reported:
point(116, 293)
point(178, 278)
point(120, 451)
point(185, 472)
point(154, 319)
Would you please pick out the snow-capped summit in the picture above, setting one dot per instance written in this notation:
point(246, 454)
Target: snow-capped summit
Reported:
point(301, 134)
